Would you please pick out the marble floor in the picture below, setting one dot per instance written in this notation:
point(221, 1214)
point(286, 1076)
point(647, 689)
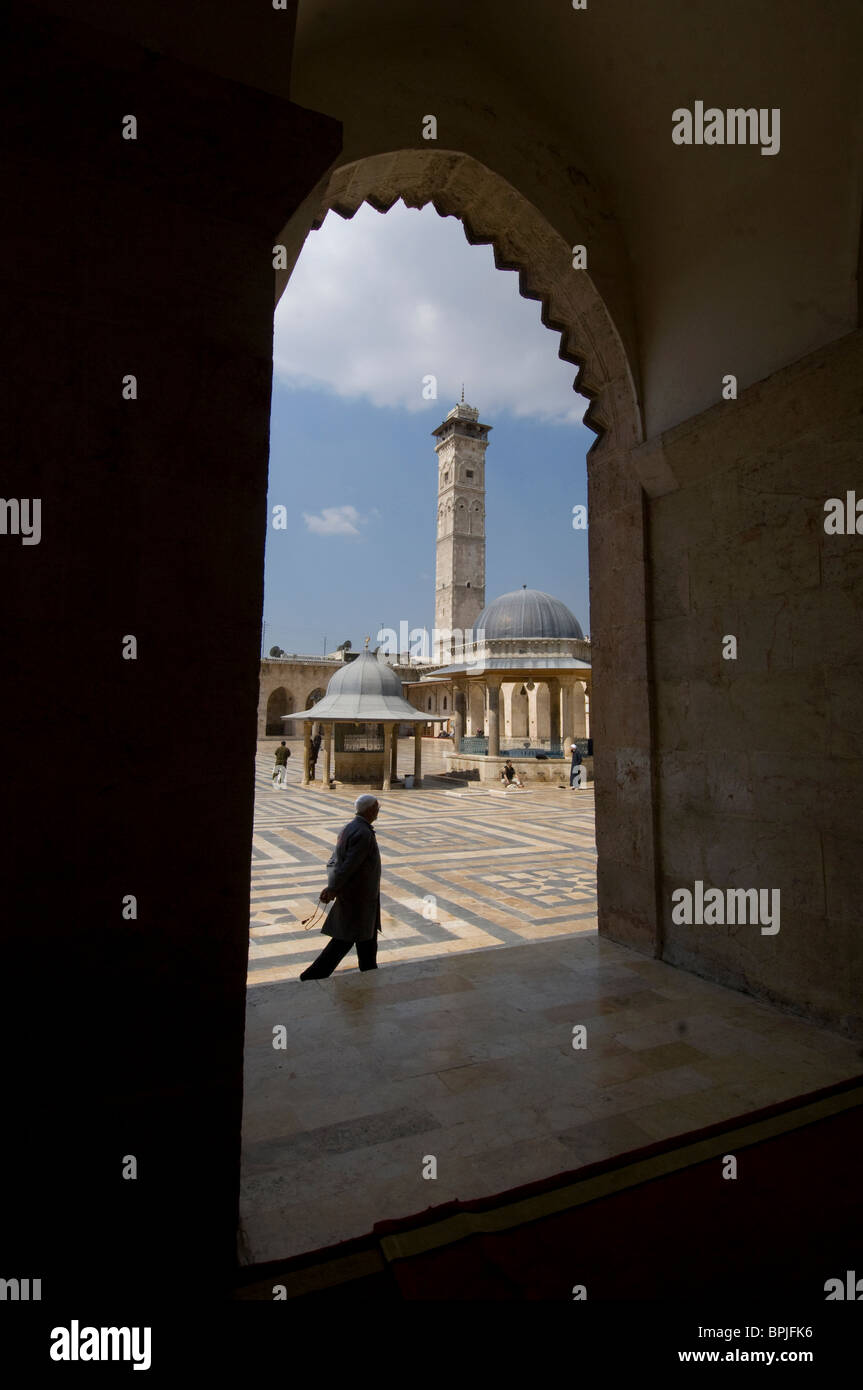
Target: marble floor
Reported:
point(462, 867)
point(465, 1054)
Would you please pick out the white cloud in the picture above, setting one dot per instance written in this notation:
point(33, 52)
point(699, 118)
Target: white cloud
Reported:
point(333, 521)
point(377, 303)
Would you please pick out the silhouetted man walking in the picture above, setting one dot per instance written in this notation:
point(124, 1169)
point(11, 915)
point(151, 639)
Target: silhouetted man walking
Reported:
point(354, 881)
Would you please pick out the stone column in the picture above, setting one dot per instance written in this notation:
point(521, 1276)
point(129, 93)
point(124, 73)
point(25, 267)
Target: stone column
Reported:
point(328, 754)
point(553, 709)
point(492, 686)
point(578, 726)
point(394, 765)
point(566, 714)
point(458, 702)
point(307, 751)
point(388, 756)
point(418, 755)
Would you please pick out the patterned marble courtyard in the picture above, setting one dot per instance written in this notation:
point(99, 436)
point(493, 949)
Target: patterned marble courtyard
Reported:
point(463, 868)
point(460, 1047)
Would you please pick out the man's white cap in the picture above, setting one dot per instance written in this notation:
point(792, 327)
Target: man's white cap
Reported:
point(363, 802)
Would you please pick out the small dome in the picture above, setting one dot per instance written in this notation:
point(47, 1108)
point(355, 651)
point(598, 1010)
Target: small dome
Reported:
point(365, 676)
point(528, 613)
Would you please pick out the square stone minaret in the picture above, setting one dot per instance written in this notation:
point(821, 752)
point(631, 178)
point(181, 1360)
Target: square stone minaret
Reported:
point(460, 568)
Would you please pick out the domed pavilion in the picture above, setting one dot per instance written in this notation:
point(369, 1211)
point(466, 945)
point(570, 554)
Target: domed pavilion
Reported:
point(360, 715)
point(530, 649)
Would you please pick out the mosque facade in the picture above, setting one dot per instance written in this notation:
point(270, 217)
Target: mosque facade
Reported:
point(511, 677)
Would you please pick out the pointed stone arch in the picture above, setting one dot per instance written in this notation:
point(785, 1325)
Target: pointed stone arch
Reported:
point(537, 245)
point(277, 705)
point(494, 213)
point(475, 709)
point(519, 713)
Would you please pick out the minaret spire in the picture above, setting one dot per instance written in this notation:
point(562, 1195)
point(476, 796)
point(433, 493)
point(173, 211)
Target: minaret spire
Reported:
point(461, 442)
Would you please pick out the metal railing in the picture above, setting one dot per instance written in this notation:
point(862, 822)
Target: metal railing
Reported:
point(362, 743)
point(307, 660)
point(539, 746)
point(508, 749)
point(474, 745)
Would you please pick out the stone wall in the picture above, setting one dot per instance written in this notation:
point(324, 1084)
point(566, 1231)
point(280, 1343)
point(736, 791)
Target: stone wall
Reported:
point(760, 759)
point(298, 679)
point(621, 716)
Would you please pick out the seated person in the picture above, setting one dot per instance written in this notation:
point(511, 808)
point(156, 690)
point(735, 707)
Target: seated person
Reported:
point(509, 776)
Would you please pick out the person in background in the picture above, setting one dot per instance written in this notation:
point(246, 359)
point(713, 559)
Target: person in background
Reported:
point(280, 766)
point(314, 750)
point(509, 776)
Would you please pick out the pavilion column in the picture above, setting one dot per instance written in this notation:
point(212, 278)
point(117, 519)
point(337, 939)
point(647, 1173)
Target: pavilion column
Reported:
point(565, 712)
point(458, 703)
point(493, 714)
point(328, 754)
point(418, 755)
point(388, 756)
point(394, 765)
point(578, 724)
point(506, 712)
point(307, 751)
point(553, 709)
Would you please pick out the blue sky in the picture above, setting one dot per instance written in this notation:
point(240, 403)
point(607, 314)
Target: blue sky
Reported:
point(375, 306)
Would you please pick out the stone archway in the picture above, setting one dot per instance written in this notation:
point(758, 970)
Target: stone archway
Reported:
point(475, 708)
point(277, 705)
point(578, 710)
point(519, 711)
point(494, 213)
point(574, 304)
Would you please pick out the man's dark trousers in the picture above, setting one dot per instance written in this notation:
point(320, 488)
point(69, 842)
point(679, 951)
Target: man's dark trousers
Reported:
point(336, 950)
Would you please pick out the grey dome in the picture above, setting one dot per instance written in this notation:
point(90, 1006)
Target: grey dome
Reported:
point(365, 690)
point(366, 676)
point(528, 613)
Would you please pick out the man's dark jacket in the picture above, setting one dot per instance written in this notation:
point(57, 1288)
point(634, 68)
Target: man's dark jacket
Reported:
point(354, 875)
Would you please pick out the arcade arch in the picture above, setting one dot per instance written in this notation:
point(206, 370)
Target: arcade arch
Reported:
point(279, 703)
